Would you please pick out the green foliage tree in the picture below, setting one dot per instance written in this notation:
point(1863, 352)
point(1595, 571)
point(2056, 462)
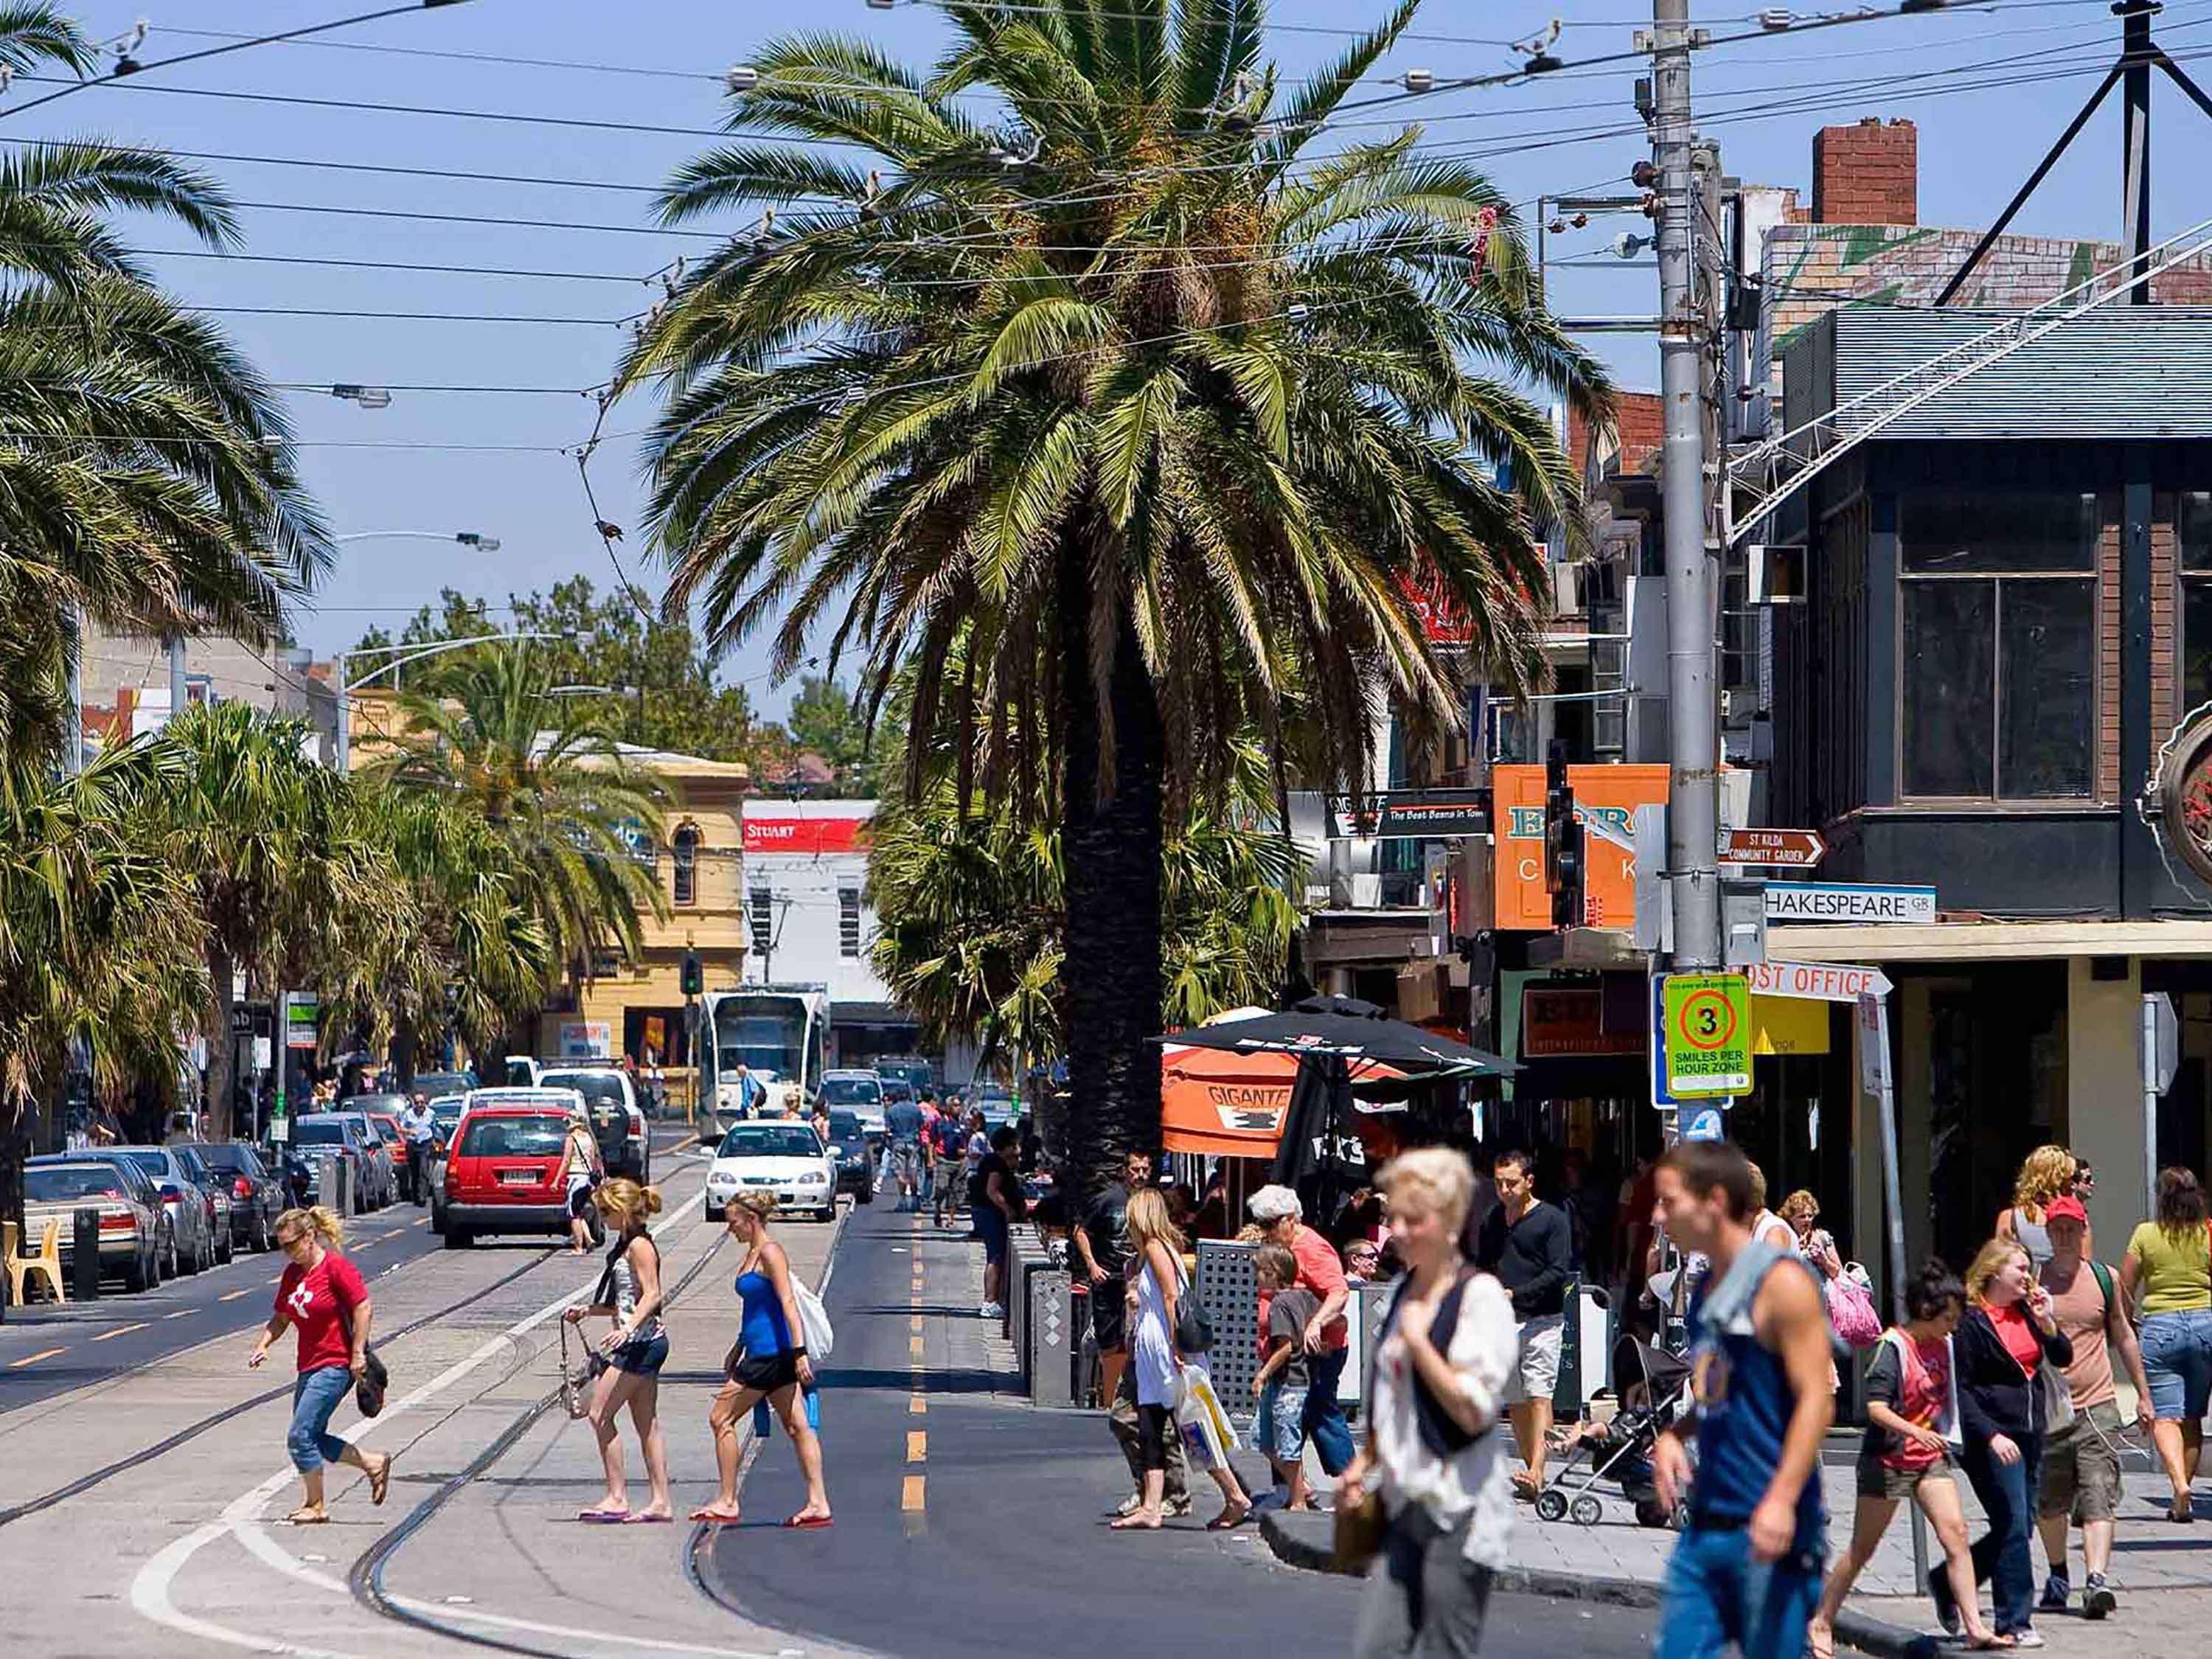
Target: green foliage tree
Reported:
point(660, 691)
point(1167, 418)
point(580, 823)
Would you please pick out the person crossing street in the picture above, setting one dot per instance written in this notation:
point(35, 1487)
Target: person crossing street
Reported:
point(417, 1128)
point(902, 1123)
point(1529, 1245)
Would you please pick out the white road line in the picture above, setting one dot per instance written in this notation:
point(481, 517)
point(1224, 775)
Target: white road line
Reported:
point(151, 1588)
point(446, 1610)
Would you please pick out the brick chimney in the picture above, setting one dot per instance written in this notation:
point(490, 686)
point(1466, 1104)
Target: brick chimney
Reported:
point(1868, 174)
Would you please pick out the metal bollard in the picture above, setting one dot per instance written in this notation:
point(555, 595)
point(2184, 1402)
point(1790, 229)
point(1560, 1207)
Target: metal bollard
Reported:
point(327, 1165)
point(85, 1255)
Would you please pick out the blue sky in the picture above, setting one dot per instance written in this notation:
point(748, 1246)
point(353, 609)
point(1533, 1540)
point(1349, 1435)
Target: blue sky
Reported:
point(1571, 130)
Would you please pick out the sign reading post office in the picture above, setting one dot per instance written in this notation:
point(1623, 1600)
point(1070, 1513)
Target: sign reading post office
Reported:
point(1707, 1018)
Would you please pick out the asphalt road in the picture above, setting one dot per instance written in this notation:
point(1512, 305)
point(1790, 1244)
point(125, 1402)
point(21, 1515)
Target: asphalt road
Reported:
point(1010, 1555)
point(46, 1350)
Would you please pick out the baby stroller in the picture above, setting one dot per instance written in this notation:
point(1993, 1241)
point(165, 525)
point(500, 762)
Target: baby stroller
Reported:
point(1652, 1385)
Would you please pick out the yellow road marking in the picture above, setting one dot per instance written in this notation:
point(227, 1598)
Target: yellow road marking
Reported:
point(914, 1347)
point(233, 1296)
point(910, 1496)
point(917, 1407)
point(917, 1446)
point(120, 1330)
point(915, 1324)
point(34, 1358)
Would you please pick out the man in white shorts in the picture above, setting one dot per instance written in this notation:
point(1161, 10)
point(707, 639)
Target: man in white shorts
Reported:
point(1529, 1245)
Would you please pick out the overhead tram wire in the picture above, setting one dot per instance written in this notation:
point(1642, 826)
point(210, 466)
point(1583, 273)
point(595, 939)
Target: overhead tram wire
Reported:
point(82, 85)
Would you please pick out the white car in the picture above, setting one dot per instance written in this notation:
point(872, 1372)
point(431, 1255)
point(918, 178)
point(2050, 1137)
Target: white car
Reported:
point(859, 1093)
point(784, 1157)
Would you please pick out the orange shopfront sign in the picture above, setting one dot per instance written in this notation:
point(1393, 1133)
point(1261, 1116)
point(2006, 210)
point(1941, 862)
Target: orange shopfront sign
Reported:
point(1610, 793)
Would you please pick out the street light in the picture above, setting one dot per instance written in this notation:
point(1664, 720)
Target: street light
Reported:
point(368, 396)
point(482, 543)
point(411, 653)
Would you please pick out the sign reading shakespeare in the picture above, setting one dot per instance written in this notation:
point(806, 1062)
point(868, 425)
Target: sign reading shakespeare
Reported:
point(1836, 900)
point(805, 836)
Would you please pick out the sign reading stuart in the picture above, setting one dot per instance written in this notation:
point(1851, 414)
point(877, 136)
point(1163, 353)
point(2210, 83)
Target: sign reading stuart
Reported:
point(1708, 1034)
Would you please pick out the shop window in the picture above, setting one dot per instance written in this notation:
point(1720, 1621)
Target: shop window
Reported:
point(849, 923)
point(2195, 534)
point(1997, 664)
point(685, 847)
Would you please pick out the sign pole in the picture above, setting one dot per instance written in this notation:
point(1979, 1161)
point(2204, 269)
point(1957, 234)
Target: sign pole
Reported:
point(2149, 1069)
point(1876, 1078)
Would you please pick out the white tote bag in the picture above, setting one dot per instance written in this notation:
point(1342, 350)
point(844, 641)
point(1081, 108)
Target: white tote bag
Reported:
point(820, 1337)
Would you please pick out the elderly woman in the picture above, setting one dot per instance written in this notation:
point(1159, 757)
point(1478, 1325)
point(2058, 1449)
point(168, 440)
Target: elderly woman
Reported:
point(1281, 1218)
point(1811, 1241)
point(1446, 1348)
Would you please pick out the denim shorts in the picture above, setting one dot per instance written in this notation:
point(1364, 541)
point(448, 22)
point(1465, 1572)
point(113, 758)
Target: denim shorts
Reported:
point(1278, 1424)
point(2177, 1352)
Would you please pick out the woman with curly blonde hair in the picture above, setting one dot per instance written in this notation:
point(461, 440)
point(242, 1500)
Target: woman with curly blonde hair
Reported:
point(2046, 1173)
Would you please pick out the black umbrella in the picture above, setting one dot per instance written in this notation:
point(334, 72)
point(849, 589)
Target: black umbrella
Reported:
point(1347, 1029)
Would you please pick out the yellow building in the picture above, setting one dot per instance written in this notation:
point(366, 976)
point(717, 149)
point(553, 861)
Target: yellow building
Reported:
point(627, 1008)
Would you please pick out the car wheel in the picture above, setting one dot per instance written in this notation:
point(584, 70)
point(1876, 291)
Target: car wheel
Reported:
point(458, 1238)
point(140, 1274)
point(828, 1212)
point(224, 1249)
point(437, 1222)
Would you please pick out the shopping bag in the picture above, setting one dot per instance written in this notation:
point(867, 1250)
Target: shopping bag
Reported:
point(1207, 1437)
point(1850, 1311)
point(815, 1318)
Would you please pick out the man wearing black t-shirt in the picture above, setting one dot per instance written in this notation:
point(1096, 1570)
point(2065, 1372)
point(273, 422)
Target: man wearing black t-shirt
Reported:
point(1529, 1245)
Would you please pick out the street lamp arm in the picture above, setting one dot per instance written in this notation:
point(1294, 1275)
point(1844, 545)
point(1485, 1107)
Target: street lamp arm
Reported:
point(418, 653)
point(465, 538)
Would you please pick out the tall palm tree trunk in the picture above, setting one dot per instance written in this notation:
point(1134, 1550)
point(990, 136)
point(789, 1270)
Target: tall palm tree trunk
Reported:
point(222, 1046)
point(1111, 843)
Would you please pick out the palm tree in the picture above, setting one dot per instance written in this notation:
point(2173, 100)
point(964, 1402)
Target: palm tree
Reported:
point(100, 937)
point(577, 818)
point(1164, 411)
point(146, 474)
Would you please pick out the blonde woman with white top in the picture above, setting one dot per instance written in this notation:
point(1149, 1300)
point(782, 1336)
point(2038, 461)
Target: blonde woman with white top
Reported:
point(1448, 1348)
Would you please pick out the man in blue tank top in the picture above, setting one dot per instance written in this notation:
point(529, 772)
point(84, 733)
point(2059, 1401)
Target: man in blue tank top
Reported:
point(1746, 1571)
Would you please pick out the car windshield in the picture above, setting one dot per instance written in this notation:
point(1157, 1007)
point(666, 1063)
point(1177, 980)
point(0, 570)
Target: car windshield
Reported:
point(318, 1132)
point(770, 1140)
point(232, 1156)
point(853, 1092)
point(59, 1185)
point(154, 1163)
point(598, 1088)
point(844, 1126)
point(444, 1121)
point(514, 1137)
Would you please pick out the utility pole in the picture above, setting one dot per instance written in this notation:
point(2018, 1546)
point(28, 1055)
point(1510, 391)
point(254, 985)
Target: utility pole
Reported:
point(176, 675)
point(2135, 93)
point(1694, 738)
point(73, 739)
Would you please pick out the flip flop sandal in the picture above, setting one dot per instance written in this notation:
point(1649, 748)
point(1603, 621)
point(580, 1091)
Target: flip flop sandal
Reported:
point(808, 1522)
point(307, 1518)
point(1223, 1523)
point(715, 1517)
point(603, 1518)
point(380, 1480)
point(648, 1520)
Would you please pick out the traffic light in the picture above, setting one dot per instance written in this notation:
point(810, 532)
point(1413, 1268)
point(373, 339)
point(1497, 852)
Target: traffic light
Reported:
point(1563, 842)
point(692, 979)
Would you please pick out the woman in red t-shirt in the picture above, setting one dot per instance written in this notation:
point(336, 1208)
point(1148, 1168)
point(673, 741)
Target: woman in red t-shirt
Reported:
point(322, 1293)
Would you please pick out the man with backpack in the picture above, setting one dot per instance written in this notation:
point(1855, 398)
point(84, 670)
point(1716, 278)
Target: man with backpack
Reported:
point(2082, 1457)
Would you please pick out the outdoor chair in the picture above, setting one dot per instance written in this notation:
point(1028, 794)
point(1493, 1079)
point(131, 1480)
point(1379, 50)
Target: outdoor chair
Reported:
point(21, 1269)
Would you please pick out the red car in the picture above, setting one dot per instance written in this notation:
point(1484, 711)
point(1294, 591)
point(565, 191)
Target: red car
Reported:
point(503, 1171)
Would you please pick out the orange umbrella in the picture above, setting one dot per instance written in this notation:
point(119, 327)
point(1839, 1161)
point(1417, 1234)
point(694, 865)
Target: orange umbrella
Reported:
point(1229, 1105)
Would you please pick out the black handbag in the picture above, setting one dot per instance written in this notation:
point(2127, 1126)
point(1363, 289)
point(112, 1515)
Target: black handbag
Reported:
point(374, 1383)
point(1193, 1330)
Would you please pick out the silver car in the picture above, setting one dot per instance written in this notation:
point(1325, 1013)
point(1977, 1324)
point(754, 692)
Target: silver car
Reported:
point(189, 1208)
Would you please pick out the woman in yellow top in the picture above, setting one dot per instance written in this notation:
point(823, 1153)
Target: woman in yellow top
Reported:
point(2169, 1262)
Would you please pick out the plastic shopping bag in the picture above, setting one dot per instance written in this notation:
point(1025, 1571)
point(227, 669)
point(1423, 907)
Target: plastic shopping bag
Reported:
point(763, 1419)
point(1207, 1437)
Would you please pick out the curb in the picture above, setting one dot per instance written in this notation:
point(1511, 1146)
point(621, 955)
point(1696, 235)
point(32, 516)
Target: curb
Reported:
point(1871, 1636)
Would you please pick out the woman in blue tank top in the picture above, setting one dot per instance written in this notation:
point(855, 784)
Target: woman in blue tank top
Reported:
point(768, 1360)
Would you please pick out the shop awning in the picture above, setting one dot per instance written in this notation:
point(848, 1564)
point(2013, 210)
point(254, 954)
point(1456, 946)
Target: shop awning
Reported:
point(1228, 1105)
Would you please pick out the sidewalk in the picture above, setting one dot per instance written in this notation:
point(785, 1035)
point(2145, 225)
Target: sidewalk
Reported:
point(2161, 1572)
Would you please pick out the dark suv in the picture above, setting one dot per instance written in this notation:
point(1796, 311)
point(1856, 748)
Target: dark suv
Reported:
point(856, 1165)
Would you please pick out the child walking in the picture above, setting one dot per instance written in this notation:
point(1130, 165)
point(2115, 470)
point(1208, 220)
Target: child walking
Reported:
point(1284, 1377)
point(1911, 1437)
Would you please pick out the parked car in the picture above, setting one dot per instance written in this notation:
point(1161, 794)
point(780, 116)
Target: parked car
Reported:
point(191, 1217)
point(856, 1164)
point(523, 1072)
point(617, 1118)
point(503, 1170)
point(859, 1093)
point(141, 1187)
point(782, 1156)
point(257, 1197)
point(131, 1222)
point(347, 1133)
point(216, 1192)
point(395, 1148)
point(446, 1117)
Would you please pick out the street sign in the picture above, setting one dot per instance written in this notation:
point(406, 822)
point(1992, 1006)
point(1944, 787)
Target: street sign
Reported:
point(1874, 1045)
point(1708, 1035)
point(241, 1021)
point(1817, 981)
point(1661, 1098)
point(1409, 814)
point(2161, 1042)
point(1789, 849)
point(299, 1010)
point(1705, 1123)
point(1836, 900)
